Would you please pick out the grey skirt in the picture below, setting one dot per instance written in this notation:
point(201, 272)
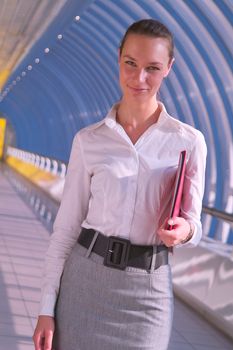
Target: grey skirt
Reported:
point(101, 308)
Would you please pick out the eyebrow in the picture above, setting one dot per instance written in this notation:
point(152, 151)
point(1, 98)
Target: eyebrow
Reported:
point(133, 59)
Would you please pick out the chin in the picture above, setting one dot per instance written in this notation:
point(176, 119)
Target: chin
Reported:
point(140, 95)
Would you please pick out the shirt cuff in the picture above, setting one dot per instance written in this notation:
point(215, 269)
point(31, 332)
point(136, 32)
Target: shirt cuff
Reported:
point(47, 305)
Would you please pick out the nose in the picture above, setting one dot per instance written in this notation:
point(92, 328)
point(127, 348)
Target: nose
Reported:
point(141, 75)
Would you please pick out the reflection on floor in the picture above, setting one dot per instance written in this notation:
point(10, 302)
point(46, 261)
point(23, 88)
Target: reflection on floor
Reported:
point(23, 242)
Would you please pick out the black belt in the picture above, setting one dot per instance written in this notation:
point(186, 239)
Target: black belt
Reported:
point(120, 253)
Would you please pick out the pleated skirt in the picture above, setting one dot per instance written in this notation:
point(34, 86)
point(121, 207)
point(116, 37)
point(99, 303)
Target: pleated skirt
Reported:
point(101, 308)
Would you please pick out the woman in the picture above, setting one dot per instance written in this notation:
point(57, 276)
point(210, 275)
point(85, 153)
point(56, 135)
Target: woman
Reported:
point(116, 291)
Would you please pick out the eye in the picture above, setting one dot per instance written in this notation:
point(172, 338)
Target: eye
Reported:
point(152, 68)
point(131, 63)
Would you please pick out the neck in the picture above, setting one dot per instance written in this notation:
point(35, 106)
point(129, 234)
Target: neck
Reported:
point(135, 116)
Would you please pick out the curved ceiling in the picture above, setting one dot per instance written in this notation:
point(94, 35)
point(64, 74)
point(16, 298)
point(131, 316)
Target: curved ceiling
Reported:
point(70, 78)
point(22, 22)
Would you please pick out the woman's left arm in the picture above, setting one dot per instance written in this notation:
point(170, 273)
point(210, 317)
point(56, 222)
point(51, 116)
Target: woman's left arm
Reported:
point(187, 229)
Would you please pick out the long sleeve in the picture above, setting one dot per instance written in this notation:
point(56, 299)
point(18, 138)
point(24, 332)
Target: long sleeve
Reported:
point(67, 226)
point(194, 188)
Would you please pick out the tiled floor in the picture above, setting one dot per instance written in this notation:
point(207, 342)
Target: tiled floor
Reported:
point(23, 241)
point(192, 332)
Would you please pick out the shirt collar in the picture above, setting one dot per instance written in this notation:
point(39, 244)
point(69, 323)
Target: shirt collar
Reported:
point(110, 119)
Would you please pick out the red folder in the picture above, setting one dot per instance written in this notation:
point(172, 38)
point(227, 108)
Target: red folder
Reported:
point(178, 187)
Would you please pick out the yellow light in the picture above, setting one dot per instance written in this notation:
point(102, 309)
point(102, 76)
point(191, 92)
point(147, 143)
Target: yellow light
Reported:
point(2, 135)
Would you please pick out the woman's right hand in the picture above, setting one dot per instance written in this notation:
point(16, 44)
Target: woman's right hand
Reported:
point(43, 334)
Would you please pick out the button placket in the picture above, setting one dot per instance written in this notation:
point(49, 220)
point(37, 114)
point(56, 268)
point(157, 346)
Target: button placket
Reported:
point(130, 202)
point(132, 194)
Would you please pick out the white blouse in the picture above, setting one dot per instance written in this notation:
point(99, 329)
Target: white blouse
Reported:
point(124, 189)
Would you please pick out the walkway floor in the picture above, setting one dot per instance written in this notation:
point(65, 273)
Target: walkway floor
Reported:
point(23, 242)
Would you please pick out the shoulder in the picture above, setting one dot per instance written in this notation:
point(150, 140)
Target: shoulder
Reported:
point(99, 128)
point(186, 129)
point(190, 139)
point(91, 127)
point(88, 130)
point(183, 135)
point(187, 132)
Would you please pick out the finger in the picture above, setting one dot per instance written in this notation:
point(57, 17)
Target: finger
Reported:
point(176, 221)
point(171, 222)
point(168, 243)
point(38, 340)
point(173, 240)
point(160, 232)
point(164, 224)
point(167, 237)
point(167, 232)
point(48, 340)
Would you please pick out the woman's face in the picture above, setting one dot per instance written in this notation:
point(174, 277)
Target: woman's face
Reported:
point(144, 62)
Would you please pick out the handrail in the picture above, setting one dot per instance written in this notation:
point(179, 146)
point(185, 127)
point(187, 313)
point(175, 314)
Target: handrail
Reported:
point(58, 167)
point(218, 214)
point(53, 166)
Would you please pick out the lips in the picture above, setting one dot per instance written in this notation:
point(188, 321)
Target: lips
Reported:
point(137, 89)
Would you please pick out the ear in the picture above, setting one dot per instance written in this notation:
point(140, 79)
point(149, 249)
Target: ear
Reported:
point(169, 67)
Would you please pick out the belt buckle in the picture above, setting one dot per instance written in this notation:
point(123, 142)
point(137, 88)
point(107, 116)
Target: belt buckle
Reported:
point(117, 253)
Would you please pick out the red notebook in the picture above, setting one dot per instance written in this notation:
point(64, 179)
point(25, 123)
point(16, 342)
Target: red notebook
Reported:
point(178, 187)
